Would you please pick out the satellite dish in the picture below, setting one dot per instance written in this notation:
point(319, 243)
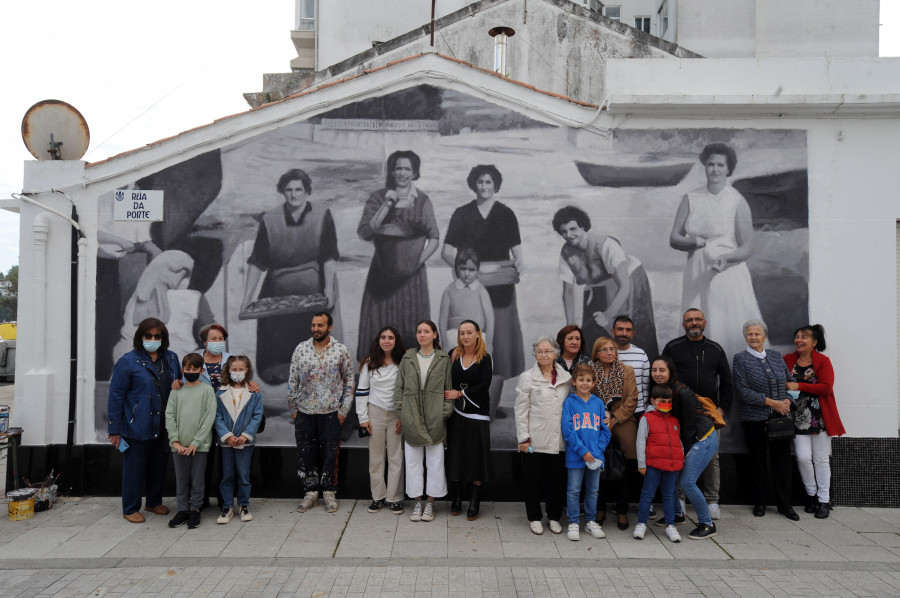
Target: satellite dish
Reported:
point(55, 130)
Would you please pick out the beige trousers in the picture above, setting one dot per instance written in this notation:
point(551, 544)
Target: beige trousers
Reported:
point(383, 440)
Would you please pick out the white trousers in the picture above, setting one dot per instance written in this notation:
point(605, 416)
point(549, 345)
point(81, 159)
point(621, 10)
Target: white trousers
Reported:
point(420, 459)
point(813, 451)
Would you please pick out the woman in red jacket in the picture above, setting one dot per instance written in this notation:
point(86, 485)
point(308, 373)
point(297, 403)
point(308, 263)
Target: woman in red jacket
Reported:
point(815, 414)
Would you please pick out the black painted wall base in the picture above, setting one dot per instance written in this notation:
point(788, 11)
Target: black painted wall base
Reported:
point(864, 473)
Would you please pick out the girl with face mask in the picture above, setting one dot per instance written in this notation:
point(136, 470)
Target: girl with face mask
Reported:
point(239, 412)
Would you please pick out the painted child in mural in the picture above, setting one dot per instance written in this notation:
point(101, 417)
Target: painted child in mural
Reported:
point(714, 226)
point(399, 220)
point(296, 247)
point(466, 299)
point(615, 282)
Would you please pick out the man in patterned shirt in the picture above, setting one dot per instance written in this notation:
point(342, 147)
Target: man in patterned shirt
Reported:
point(320, 395)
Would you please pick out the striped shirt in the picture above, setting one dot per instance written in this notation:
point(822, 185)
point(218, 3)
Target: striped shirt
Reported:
point(637, 359)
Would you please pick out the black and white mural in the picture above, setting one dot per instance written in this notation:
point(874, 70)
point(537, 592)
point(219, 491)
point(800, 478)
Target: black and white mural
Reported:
point(364, 211)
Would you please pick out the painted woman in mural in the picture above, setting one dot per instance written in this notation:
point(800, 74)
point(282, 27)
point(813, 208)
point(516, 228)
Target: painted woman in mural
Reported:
point(615, 282)
point(162, 292)
point(492, 230)
point(713, 225)
point(296, 247)
point(399, 220)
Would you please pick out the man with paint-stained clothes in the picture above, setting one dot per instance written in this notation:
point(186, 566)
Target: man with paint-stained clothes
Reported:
point(320, 395)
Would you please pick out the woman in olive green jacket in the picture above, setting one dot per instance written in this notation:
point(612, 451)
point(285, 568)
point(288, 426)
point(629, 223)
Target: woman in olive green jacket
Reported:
point(421, 402)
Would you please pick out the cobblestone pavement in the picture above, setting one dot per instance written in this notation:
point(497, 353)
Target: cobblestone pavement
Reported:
point(83, 547)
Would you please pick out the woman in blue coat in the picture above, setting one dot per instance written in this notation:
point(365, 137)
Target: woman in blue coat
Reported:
point(138, 393)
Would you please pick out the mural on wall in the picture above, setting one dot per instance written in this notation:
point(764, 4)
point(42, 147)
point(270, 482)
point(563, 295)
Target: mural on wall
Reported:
point(364, 211)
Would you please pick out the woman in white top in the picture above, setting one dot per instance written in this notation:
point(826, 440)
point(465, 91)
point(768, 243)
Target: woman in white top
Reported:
point(375, 408)
point(714, 226)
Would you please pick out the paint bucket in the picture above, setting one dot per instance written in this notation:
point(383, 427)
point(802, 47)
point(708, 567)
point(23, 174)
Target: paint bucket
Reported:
point(21, 504)
point(44, 498)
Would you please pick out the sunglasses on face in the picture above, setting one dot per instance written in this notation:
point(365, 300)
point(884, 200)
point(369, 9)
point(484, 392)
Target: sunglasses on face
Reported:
point(153, 337)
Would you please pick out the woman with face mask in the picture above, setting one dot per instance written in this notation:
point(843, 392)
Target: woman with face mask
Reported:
point(138, 394)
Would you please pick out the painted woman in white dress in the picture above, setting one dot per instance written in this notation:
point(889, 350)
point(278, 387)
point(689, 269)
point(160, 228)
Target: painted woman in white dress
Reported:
point(714, 226)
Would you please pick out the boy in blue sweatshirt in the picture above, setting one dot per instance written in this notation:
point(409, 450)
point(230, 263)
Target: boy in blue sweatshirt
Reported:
point(586, 438)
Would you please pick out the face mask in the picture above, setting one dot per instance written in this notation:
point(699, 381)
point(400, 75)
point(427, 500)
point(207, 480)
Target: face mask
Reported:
point(215, 348)
point(152, 346)
point(237, 376)
point(191, 376)
point(664, 407)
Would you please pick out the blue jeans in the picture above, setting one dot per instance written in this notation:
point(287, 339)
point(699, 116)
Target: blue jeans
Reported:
point(143, 472)
point(236, 464)
point(695, 461)
point(591, 480)
point(665, 481)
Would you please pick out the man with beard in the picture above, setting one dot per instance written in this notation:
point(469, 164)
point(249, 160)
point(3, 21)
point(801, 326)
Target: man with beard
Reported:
point(320, 395)
point(702, 365)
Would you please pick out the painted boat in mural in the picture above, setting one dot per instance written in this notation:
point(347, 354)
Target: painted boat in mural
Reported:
point(649, 174)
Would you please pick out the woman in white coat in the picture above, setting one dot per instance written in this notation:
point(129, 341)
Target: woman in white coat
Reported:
point(539, 398)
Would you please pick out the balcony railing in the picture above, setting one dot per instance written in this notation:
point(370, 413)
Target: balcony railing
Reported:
point(306, 25)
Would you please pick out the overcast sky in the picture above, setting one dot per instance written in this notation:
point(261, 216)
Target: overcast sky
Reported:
point(187, 61)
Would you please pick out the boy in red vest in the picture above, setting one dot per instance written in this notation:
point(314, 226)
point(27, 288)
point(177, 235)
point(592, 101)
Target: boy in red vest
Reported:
point(660, 458)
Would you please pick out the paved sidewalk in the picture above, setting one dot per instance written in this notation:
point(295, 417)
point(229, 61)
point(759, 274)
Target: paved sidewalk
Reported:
point(83, 547)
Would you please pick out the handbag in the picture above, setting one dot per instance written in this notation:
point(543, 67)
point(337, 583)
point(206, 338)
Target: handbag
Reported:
point(780, 428)
point(614, 468)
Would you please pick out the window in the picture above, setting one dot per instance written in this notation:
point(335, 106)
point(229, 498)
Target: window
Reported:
point(306, 15)
point(663, 17)
point(642, 24)
point(613, 12)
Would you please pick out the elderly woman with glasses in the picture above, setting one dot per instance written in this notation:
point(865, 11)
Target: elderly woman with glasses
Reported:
point(540, 394)
point(138, 393)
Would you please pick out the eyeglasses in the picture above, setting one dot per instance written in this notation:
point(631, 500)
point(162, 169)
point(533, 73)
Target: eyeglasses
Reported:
point(154, 337)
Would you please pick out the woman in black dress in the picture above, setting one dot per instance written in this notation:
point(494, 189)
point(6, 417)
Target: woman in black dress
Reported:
point(469, 430)
point(492, 230)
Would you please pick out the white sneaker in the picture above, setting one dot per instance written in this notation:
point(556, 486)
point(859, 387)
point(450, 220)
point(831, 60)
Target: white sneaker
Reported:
point(226, 515)
point(573, 533)
point(555, 527)
point(639, 530)
point(245, 514)
point(417, 512)
point(714, 511)
point(310, 500)
point(594, 529)
point(428, 513)
point(672, 533)
point(536, 527)
point(329, 497)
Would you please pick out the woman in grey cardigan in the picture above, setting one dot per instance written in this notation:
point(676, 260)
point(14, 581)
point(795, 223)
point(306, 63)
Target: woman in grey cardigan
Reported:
point(760, 377)
point(540, 394)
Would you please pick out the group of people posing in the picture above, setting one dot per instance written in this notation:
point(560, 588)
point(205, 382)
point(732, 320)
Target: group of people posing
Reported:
point(601, 420)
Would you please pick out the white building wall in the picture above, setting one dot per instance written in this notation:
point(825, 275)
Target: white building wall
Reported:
point(816, 28)
point(723, 29)
point(848, 107)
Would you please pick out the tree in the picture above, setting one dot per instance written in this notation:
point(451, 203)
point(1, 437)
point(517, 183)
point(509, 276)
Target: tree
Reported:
point(9, 294)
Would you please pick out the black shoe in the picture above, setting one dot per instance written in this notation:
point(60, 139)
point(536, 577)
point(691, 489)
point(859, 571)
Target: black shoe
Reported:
point(194, 520)
point(822, 512)
point(812, 503)
point(759, 511)
point(601, 517)
point(622, 525)
point(474, 503)
point(376, 505)
point(396, 508)
point(679, 519)
point(703, 531)
point(790, 514)
point(180, 518)
point(456, 503)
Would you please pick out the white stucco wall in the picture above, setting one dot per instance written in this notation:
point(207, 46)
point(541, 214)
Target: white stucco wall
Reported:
point(849, 109)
